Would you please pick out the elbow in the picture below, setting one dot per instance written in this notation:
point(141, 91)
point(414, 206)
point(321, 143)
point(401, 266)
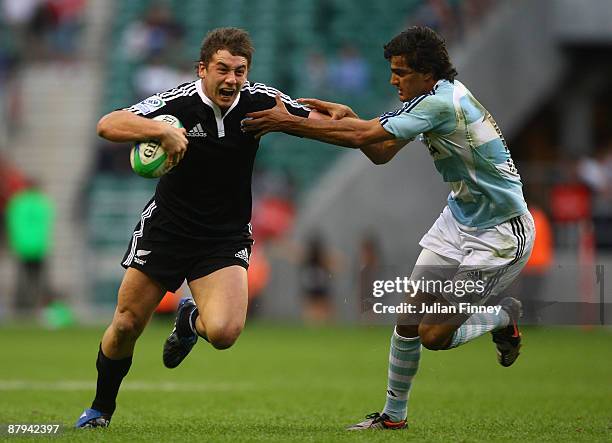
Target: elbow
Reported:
point(102, 128)
point(380, 160)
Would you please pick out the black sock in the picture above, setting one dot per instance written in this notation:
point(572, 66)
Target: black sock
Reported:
point(110, 375)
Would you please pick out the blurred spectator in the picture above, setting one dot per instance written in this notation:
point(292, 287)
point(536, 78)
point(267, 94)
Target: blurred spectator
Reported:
point(157, 33)
point(596, 173)
point(46, 29)
point(570, 205)
point(317, 75)
point(349, 73)
point(156, 43)
point(29, 223)
point(155, 75)
point(473, 12)
point(452, 19)
point(370, 268)
point(315, 281)
point(592, 173)
point(17, 16)
point(19, 12)
point(440, 16)
point(68, 22)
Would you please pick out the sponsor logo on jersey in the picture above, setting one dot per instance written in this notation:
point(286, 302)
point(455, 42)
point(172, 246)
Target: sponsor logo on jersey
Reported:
point(243, 254)
point(150, 104)
point(139, 261)
point(196, 131)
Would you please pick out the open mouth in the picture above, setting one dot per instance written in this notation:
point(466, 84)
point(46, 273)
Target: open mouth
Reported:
point(226, 92)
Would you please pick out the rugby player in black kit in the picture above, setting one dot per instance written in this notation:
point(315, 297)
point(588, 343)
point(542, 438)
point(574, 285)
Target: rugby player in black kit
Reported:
point(196, 227)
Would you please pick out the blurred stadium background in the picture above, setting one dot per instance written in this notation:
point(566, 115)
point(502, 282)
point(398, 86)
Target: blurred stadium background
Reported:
point(326, 220)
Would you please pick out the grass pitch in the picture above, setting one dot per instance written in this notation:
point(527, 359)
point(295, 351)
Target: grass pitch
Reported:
point(289, 383)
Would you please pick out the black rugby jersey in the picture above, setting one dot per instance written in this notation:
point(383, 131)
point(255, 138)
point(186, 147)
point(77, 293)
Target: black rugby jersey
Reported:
point(208, 194)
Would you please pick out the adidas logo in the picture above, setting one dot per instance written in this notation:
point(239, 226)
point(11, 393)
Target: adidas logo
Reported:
point(197, 131)
point(243, 255)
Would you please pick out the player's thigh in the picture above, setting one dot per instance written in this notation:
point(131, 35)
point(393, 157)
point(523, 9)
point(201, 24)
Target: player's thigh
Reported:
point(137, 299)
point(222, 298)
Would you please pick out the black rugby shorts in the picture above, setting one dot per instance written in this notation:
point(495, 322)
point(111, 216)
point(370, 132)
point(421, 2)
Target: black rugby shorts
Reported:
point(169, 258)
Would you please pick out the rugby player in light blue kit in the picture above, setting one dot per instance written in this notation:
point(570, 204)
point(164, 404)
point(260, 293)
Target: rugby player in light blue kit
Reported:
point(484, 234)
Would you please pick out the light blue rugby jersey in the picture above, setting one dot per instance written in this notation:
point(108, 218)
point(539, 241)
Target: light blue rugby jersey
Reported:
point(469, 151)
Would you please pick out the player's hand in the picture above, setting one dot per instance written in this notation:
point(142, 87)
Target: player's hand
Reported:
point(336, 111)
point(269, 120)
point(174, 143)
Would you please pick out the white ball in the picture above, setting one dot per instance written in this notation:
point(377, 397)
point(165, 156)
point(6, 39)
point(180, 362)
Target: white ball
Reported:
point(147, 158)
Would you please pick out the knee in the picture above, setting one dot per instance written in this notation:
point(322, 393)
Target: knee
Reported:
point(433, 338)
point(127, 325)
point(223, 336)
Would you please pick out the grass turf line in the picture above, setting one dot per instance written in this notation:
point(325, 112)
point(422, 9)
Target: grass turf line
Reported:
point(282, 383)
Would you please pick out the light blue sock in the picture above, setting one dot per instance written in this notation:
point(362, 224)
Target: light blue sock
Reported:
point(477, 325)
point(404, 359)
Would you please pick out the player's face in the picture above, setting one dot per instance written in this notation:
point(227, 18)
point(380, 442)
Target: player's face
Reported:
point(409, 83)
point(223, 77)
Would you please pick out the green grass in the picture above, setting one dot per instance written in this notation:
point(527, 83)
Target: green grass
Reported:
point(282, 383)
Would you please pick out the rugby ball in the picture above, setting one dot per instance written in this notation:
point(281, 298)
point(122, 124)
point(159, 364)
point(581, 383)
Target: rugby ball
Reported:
point(147, 158)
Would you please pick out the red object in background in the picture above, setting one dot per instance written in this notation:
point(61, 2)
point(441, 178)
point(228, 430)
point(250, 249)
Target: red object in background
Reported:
point(570, 203)
point(64, 10)
point(12, 180)
point(272, 217)
point(542, 254)
point(259, 272)
point(169, 303)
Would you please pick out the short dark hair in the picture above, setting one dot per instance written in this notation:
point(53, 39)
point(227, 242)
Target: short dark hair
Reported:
point(236, 41)
point(424, 51)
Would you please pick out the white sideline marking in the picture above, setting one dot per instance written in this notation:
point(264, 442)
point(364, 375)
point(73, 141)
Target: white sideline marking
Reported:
point(87, 385)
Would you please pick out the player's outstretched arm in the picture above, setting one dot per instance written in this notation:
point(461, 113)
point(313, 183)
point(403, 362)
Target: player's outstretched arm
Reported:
point(383, 152)
point(124, 126)
point(378, 153)
point(348, 132)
